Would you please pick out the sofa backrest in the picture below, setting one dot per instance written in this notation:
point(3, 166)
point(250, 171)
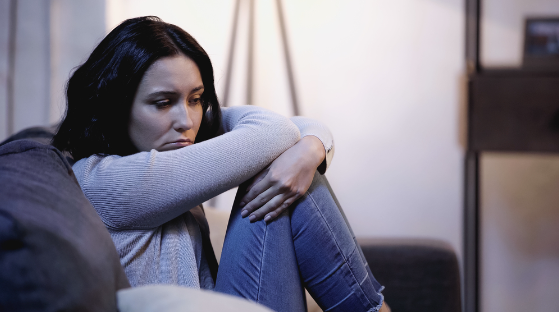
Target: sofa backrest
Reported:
point(55, 252)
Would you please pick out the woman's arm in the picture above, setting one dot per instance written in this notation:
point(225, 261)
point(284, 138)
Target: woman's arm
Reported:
point(289, 176)
point(147, 189)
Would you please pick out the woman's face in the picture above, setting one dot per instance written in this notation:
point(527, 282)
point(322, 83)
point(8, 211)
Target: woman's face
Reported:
point(167, 109)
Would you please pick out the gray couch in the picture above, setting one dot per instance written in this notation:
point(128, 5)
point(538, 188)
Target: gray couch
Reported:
point(56, 255)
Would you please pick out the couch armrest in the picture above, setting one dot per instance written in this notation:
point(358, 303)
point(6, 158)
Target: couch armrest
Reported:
point(419, 274)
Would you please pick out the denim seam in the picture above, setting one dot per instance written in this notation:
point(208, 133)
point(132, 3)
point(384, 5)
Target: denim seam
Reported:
point(330, 274)
point(363, 281)
point(261, 263)
point(337, 304)
point(340, 250)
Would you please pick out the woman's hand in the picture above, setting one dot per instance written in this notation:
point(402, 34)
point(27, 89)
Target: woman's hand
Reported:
point(286, 179)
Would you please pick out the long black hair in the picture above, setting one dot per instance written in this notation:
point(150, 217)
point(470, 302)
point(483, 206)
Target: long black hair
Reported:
point(100, 92)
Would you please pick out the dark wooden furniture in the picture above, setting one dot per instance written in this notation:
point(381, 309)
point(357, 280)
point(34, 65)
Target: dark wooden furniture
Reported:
point(514, 110)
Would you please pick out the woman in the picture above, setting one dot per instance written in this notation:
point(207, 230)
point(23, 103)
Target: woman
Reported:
point(135, 109)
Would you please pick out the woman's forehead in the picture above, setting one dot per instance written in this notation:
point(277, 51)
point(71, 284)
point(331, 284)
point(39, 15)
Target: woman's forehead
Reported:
point(177, 72)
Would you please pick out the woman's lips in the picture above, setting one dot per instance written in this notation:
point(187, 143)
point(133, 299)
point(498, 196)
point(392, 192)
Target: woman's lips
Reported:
point(180, 143)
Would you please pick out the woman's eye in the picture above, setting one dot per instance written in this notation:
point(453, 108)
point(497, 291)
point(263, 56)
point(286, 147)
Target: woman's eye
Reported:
point(196, 101)
point(162, 103)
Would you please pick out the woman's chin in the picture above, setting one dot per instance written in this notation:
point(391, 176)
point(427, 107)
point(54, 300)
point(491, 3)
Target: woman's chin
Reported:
point(173, 146)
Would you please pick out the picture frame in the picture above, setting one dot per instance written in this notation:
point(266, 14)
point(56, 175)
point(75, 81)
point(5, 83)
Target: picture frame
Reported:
point(541, 43)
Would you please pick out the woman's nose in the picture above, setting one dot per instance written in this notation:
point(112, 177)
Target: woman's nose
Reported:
point(183, 120)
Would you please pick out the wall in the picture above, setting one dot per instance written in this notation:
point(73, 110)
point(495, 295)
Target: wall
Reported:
point(49, 39)
point(4, 66)
point(76, 27)
point(25, 100)
point(385, 76)
point(519, 215)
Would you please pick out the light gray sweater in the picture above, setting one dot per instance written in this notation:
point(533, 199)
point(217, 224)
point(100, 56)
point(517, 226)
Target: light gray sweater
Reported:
point(144, 199)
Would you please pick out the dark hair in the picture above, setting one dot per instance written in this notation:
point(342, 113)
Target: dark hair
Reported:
point(101, 91)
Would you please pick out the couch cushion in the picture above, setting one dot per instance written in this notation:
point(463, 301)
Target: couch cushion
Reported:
point(170, 298)
point(55, 252)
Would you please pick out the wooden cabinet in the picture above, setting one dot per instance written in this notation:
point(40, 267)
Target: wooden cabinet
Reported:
point(514, 110)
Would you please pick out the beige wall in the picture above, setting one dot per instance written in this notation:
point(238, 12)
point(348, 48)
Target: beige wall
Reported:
point(385, 77)
point(4, 65)
point(51, 38)
point(31, 81)
point(75, 29)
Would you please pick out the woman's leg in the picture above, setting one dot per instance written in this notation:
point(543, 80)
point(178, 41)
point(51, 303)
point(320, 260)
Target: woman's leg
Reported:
point(258, 262)
point(315, 246)
point(330, 261)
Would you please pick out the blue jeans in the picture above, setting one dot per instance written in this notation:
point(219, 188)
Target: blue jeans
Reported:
point(310, 246)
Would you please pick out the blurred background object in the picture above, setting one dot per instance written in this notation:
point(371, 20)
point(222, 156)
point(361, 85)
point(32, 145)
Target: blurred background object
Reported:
point(388, 78)
point(541, 44)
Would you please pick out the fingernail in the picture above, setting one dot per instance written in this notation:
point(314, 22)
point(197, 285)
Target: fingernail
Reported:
point(252, 218)
point(267, 218)
point(244, 213)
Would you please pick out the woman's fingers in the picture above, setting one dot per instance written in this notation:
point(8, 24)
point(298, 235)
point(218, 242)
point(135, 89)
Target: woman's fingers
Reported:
point(257, 187)
point(273, 208)
point(265, 192)
point(285, 205)
point(259, 201)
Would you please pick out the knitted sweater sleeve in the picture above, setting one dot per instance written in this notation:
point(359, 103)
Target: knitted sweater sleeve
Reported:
point(147, 189)
point(308, 126)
